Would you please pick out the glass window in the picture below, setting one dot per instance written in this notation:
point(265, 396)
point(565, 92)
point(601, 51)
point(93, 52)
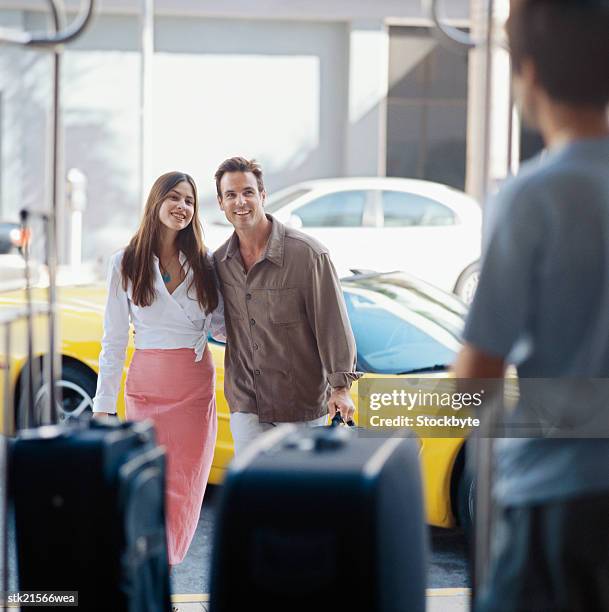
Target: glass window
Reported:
point(403, 209)
point(388, 343)
point(426, 108)
point(339, 209)
point(279, 201)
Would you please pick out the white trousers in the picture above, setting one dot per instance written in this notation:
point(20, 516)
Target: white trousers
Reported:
point(246, 427)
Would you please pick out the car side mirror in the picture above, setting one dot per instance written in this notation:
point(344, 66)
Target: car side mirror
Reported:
point(295, 221)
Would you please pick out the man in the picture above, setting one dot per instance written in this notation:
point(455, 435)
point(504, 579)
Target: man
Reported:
point(543, 304)
point(290, 351)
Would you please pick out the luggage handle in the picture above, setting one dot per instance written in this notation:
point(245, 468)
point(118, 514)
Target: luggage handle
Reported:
point(337, 421)
point(49, 412)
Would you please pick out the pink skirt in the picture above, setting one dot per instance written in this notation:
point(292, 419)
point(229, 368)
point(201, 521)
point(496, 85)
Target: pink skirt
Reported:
point(177, 393)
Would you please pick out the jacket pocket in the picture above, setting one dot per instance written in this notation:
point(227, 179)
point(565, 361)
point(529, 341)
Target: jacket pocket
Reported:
point(285, 306)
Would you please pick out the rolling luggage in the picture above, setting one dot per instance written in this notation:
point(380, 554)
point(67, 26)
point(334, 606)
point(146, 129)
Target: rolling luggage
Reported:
point(321, 519)
point(89, 514)
point(88, 500)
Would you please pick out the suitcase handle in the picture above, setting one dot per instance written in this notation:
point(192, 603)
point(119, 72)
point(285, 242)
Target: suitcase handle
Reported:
point(338, 420)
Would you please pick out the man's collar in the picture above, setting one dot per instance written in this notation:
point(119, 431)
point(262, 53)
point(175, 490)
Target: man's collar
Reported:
point(274, 245)
point(233, 247)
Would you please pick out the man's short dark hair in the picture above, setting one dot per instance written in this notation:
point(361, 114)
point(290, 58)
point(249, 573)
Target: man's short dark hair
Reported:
point(239, 164)
point(568, 43)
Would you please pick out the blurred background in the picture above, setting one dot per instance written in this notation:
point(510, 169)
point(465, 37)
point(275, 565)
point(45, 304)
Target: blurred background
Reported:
point(376, 133)
point(316, 89)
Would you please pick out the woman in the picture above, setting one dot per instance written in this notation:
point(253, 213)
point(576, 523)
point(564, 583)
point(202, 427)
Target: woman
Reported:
point(164, 283)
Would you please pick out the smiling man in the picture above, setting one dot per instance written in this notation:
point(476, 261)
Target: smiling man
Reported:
point(290, 354)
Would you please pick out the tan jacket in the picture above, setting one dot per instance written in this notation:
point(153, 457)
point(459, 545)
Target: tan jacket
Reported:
point(288, 335)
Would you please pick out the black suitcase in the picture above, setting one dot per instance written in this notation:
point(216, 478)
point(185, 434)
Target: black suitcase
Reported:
point(89, 514)
point(321, 519)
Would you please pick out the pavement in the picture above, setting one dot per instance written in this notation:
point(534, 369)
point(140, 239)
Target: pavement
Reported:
point(438, 600)
point(447, 563)
point(447, 567)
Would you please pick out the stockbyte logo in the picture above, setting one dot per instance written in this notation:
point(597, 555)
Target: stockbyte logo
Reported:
point(431, 407)
point(505, 408)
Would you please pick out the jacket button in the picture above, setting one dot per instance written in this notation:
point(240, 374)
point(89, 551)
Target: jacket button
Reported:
point(252, 322)
point(255, 346)
point(248, 296)
point(257, 372)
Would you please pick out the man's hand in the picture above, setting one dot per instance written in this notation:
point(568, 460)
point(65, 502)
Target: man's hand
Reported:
point(340, 399)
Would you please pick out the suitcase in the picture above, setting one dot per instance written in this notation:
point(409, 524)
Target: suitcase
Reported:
point(88, 503)
point(321, 519)
point(88, 500)
point(89, 514)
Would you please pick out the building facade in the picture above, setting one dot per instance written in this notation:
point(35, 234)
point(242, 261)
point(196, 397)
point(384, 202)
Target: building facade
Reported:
point(312, 89)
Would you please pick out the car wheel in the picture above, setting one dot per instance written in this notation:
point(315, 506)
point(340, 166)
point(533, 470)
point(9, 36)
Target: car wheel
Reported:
point(468, 283)
point(466, 502)
point(76, 386)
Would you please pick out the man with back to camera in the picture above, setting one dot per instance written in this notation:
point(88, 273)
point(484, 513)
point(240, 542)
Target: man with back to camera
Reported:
point(290, 354)
point(543, 304)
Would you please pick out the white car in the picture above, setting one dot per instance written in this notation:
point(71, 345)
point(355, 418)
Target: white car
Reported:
point(383, 224)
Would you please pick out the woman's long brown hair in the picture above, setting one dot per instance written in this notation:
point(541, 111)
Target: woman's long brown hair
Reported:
point(138, 264)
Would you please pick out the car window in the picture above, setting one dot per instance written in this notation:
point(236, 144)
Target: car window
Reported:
point(388, 342)
point(444, 309)
point(403, 209)
point(275, 203)
point(339, 209)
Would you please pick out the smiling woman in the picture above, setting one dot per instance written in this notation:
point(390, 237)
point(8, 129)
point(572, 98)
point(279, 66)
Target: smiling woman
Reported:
point(164, 284)
point(175, 214)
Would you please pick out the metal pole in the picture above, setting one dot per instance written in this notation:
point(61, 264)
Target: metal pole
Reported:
point(77, 190)
point(7, 430)
point(28, 39)
point(28, 382)
point(514, 141)
point(52, 365)
point(146, 54)
point(8, 417)
point(485, 444)
point(486, 158)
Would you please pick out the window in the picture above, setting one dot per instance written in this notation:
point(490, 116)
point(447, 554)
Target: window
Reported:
point(402, 209)
point(387, 343)
point(426, 108)
point(275, 203)
point(339, 209)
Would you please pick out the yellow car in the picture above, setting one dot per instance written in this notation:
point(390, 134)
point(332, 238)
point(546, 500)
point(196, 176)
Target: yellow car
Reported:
point(403, 327)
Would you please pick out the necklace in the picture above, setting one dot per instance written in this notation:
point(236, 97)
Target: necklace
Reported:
point(165, 275)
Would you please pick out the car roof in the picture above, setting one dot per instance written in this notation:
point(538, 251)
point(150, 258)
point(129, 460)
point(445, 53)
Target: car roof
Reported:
point(430, 188)
point(370, 181)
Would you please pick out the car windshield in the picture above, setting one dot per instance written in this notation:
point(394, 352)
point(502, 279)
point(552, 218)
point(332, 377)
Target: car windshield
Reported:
point(281, 198)
point(402, 325)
